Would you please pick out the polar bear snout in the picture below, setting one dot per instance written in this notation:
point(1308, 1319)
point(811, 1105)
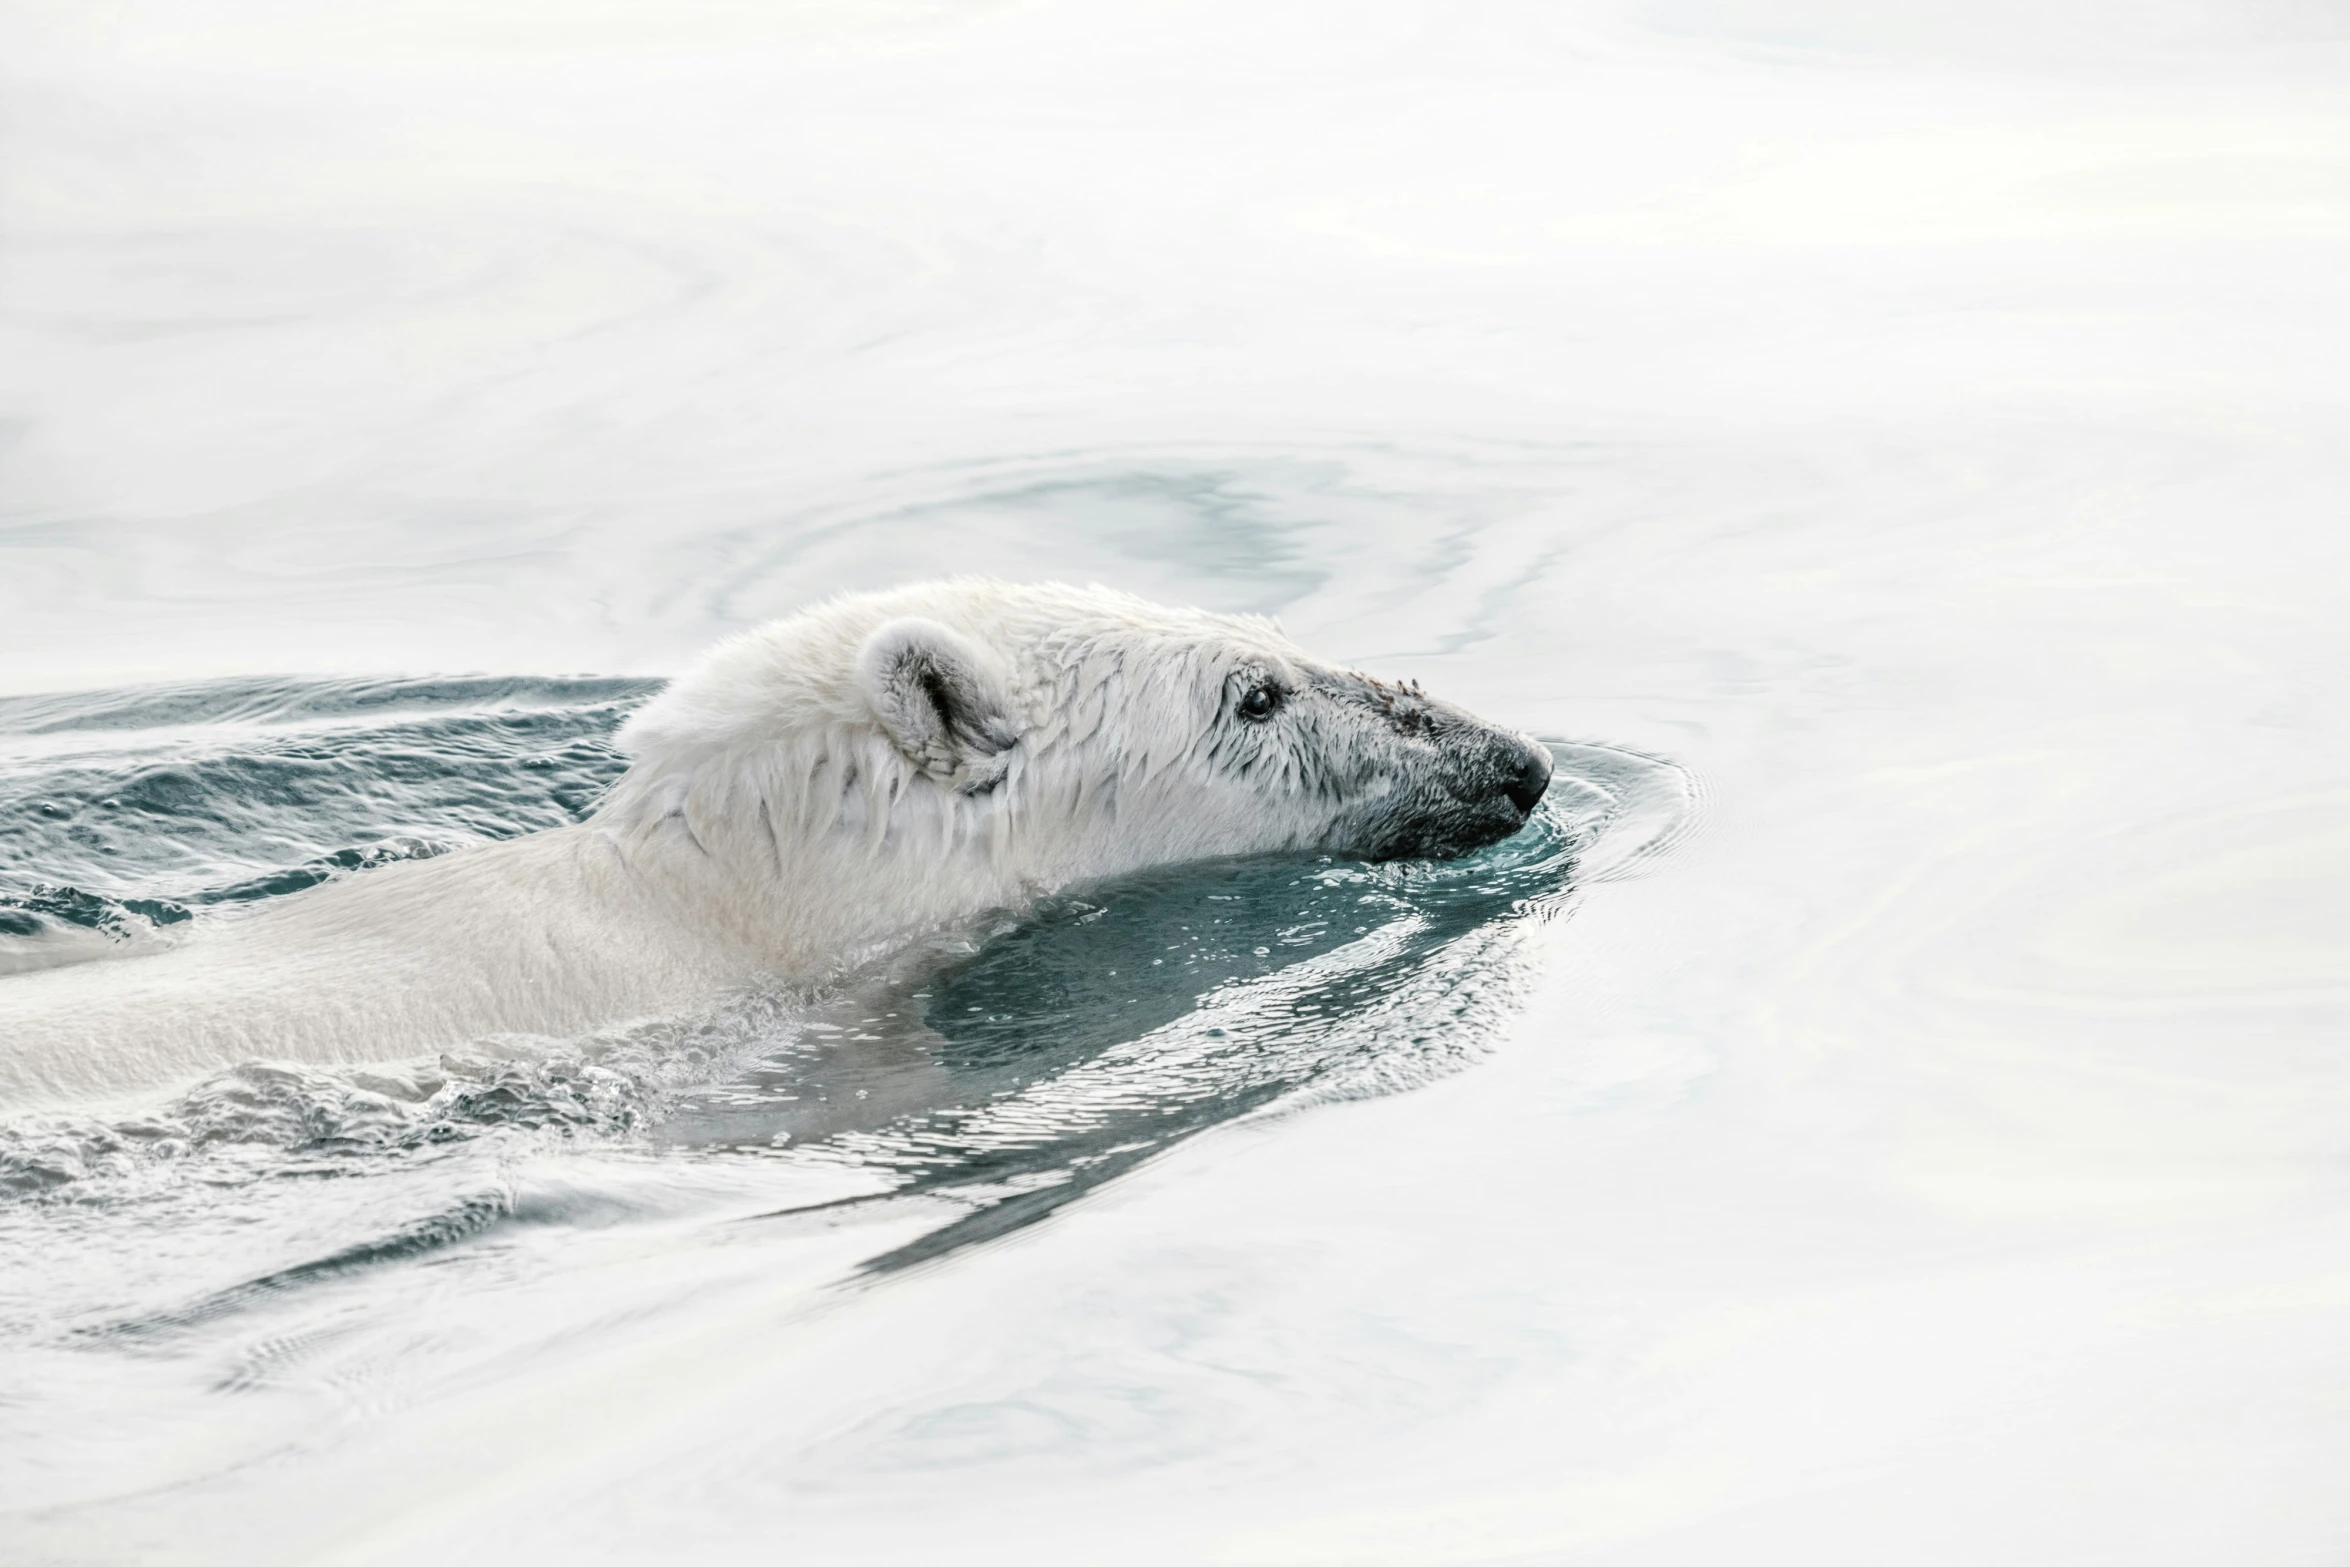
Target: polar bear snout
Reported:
point(1441, 782)
point(1529, 781)
point(1501, 778)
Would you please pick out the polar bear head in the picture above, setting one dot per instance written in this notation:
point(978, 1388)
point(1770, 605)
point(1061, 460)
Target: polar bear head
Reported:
point(1054, 734)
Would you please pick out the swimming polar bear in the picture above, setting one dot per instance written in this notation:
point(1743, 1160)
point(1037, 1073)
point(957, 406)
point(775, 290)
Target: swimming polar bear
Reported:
point(804, 797)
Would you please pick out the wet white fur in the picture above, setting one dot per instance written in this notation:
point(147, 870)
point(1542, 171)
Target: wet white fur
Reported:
point(785, 812)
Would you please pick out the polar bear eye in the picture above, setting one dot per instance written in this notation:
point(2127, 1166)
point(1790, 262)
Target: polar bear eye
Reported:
point(1260, 703)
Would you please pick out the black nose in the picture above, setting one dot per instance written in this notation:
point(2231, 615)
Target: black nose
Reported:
point(1532, 779)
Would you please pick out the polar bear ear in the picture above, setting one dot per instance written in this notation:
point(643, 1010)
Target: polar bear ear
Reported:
point(941, 700)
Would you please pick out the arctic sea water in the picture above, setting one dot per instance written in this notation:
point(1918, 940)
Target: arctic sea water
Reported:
point(1891, 1105)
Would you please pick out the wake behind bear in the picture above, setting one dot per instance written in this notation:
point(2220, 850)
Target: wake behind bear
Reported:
point(809, 795)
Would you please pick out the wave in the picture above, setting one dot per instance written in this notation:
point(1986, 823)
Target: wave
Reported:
point(121, 813)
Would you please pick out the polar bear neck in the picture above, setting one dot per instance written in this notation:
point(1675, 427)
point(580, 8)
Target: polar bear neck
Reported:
point(812, 846)
point(830, 838)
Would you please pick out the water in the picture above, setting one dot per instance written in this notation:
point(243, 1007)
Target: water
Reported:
point(1899, 457)
point(230, 1239)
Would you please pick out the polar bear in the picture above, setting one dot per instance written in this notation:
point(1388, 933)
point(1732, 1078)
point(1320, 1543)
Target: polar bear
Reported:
point(807, 795)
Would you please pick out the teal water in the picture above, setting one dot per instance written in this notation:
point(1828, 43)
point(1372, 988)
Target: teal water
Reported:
point(126, 810)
